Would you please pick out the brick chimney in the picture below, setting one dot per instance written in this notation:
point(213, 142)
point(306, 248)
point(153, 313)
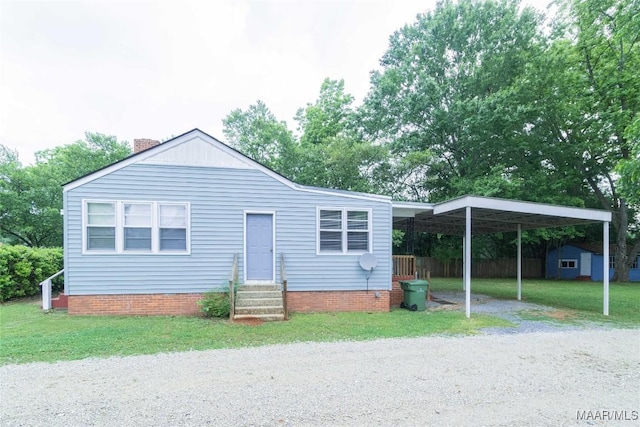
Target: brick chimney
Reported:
point(143, 144)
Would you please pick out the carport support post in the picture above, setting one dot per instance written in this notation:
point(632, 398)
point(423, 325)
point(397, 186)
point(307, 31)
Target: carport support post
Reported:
point(464, 262)
point(605, 267)
point(467, 263)
point(519, 262)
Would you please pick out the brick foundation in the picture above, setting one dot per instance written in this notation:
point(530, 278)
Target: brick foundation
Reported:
point(324, 301)
point(61, 301)
point(141, 305)
point(187, 304)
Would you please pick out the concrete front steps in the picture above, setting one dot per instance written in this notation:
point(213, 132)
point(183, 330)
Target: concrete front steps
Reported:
point(263, 302)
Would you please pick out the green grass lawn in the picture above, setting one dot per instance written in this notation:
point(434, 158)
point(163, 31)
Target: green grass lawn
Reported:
point(29, 335)
point(583, 299)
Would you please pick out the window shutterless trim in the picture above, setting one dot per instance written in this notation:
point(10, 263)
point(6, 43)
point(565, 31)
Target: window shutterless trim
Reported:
point(119, 227)
point(568, 261)
point(344, 229)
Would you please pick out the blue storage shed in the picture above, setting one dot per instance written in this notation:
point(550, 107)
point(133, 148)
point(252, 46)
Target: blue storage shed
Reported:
point(584, 261)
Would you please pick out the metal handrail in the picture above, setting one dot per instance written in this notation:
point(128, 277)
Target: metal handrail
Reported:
point(46, 290)
point(283, 278)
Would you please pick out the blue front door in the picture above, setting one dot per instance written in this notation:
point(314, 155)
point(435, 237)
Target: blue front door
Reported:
point(259, 246)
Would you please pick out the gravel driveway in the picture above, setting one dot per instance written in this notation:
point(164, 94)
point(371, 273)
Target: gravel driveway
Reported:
point(541, 378)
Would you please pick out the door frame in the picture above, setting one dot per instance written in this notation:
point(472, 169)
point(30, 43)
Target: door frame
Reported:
point(273, 245)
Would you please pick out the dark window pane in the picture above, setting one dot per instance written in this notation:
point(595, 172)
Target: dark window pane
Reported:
point(173, 239)
point(357, 241)
point(101, 238)
point(137, 239)
point(331, 241)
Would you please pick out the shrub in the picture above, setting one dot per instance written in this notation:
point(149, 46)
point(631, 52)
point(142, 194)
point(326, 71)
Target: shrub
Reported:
point(215, 303)
point(22, 269)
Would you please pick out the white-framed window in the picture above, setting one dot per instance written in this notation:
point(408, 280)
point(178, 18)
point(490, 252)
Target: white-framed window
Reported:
point(612, 261)
point(343, 231)
point(568, 263)
point(634, 264)
point(172, 224)
point(101, 226)
point(136, 227)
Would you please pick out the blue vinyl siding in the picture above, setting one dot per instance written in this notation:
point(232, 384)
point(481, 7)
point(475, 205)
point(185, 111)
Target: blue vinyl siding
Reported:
point(566, 252)
point(597, 267)
point(597, 270)
point(218, 200)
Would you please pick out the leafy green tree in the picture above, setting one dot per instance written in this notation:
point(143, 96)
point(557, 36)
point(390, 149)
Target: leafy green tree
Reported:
point(328, 152)
point(447, 93)
point(331, 153)
point(455, 105)
point(629, 169)
point(259, 135)
point(329, 117)
point(589, 104)
point(31, 196)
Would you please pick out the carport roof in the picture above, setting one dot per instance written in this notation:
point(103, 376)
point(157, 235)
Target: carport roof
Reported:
point(492, 215)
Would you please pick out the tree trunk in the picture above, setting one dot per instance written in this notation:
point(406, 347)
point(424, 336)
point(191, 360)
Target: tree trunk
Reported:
point(621, 273)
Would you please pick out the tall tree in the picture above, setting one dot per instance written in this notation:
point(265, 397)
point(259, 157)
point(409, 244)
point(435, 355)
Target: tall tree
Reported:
point(331, 153)
point(257, 133)
point(330, 116)
point(629, 169)
point(446, 96)
point(31, 196)
point(328, 152)
point(459, 101)
point(591, 99)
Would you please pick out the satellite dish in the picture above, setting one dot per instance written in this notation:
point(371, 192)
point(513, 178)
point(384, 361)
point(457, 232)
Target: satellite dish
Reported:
point(368, 261)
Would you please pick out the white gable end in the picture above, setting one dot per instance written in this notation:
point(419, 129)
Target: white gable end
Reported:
point(197, 152)
point(196, 148)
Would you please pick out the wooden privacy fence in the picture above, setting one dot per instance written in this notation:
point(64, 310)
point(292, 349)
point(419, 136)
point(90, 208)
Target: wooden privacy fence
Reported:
point(403, 265)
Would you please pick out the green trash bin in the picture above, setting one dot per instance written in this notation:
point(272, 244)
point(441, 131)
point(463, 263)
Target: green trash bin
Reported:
point(415, 294)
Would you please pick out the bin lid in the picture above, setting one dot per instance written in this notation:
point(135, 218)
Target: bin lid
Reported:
point(417, 282)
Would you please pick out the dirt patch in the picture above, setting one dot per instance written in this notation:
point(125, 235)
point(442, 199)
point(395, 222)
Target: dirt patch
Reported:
point(555, 314)
point(560, 314)
point(249, 321)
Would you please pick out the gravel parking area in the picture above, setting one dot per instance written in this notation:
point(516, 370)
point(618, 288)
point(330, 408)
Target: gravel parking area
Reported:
point(528, 379)
point(516, 312)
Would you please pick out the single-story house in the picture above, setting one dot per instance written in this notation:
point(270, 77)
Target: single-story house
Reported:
point(583, 261)
point(151, 233)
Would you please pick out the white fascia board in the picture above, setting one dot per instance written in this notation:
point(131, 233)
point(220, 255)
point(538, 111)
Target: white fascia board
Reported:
point(522, 207)
point(410, 209)
point(327, 191)
point(196, 133)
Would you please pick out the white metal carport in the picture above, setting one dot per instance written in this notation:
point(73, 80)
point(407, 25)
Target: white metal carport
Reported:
point(469, 215)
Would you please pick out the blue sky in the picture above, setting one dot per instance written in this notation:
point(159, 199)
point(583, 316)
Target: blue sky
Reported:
point(159, 68)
